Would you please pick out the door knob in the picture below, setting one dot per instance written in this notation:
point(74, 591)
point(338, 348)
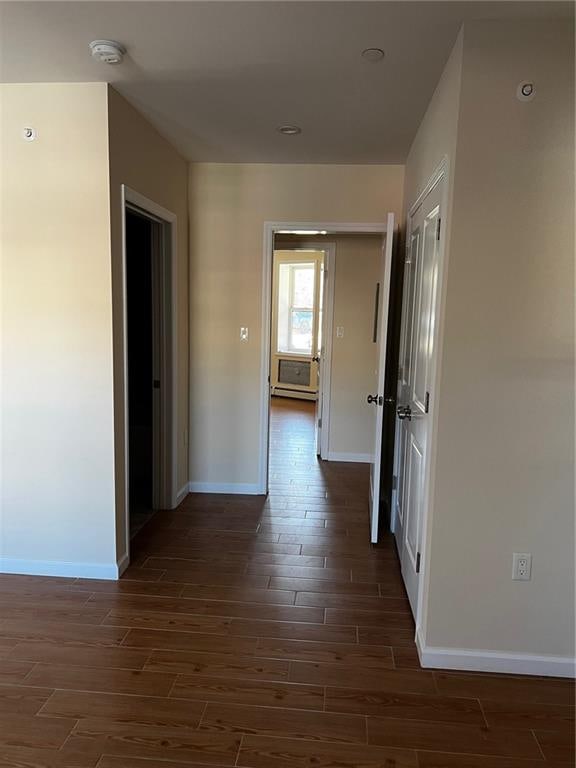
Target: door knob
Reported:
point(404, 412)
point(374, 399)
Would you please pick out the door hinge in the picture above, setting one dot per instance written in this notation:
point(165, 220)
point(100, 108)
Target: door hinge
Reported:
point(418, 562)
point(156, 383)
point(427, 402)
point(319, 423)
point(394, 482)
point(438, 224)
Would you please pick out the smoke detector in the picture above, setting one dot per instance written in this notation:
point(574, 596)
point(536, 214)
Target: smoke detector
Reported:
point(107, 51)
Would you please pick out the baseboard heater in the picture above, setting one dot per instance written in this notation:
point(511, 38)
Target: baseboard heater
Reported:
point(293, 374)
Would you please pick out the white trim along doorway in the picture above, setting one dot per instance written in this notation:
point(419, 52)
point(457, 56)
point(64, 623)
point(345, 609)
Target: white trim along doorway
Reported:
point(271, 229)
point(164, 341)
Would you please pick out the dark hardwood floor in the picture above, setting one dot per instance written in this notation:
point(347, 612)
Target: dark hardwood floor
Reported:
point(256, 633)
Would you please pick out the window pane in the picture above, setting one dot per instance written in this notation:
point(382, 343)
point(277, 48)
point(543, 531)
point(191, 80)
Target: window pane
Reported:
point(284, 307)
point(301, 330)
point(303, 295)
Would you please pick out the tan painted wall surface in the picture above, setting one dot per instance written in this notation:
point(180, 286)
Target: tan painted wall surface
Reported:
point(438, 132)
point(228, 207)
point(148, 164)
point(57, 424)
point(505, 451)
point(354, 356)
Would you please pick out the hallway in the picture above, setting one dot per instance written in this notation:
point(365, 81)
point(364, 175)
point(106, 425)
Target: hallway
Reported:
point(256, 633)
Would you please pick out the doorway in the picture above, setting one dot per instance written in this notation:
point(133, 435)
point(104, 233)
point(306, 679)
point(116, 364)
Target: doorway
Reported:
point(142, 348)
point(370, 304)
point(149, 246)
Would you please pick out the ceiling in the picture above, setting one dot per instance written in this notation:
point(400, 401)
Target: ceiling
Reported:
point(217, 78)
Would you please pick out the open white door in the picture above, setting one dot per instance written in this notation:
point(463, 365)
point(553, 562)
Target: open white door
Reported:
point(377, 400)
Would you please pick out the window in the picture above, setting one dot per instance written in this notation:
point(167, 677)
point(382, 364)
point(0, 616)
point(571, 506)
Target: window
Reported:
point(296, 292)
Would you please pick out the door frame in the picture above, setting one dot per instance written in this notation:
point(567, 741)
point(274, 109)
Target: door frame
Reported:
point(441, 173)
point(271, 228)
point(167, 446)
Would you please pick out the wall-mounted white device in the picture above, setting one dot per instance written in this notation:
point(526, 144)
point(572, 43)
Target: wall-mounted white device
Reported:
point(525, 91)
point(107, 51)
point(521, 566)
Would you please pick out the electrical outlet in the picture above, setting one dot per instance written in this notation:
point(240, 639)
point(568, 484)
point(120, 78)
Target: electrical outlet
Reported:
point(340, 332)
point(243, 334)
point(521, 566)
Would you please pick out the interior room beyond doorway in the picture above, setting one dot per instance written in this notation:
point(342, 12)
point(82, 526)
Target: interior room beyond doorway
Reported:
point(322, 335)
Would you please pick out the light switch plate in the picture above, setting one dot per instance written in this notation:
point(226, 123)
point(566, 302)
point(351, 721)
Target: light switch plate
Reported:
point(243, 334)
point(339, 331)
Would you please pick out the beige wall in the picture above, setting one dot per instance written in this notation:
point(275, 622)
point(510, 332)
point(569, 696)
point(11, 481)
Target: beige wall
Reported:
point(438, 133)
point(149, 165)
point(57, 504)
point(354, 356)
point(228, 207)
point(504, 478)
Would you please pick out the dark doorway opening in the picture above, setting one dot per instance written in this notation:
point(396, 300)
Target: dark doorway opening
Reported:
point(140, 341)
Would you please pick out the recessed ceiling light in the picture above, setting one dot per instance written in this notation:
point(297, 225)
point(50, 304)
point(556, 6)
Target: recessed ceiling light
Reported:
point(373, 55)
point(289, 130)
point(107, 51)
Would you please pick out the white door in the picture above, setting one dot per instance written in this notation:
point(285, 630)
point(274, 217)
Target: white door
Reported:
point(415, 382)
point(377, 399)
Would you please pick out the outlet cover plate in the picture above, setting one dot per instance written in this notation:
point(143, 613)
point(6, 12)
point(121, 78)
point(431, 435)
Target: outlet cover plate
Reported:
point(521, 566)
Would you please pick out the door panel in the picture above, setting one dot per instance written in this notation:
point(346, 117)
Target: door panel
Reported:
point(414, 384)
point(411, 276)
point(377, 400)
point(414, 466)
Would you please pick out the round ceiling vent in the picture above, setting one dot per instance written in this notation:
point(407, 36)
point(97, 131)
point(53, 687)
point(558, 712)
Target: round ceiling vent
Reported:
point(107, 51)
point(289, 130)
point(373, 55)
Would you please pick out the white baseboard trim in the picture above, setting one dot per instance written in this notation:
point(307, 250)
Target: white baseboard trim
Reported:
point(245, 489)
point(293, 394)
point(357, 458)
point(108, 571)
point(468, 660)
point(182, 493)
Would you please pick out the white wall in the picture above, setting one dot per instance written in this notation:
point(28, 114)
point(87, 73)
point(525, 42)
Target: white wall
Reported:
point(57, 451)
point(504, 479)
point(228, 207)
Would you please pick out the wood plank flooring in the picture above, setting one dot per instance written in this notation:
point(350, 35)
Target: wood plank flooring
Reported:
point(260, 633)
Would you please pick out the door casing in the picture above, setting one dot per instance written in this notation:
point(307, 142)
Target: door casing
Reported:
point(271, 228)
point(165, 492)
point(441, 174)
